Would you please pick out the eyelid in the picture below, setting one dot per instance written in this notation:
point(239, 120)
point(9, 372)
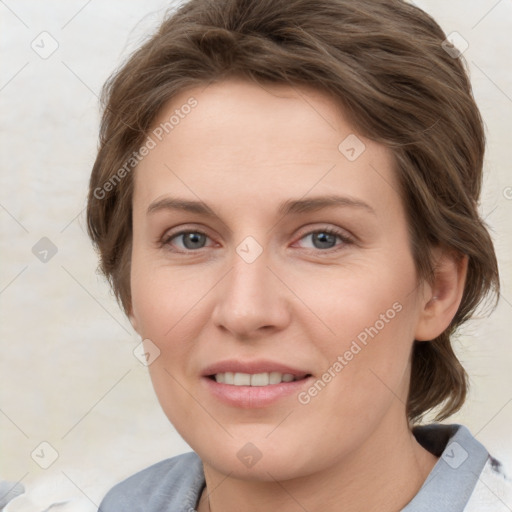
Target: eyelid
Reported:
point(327, 228)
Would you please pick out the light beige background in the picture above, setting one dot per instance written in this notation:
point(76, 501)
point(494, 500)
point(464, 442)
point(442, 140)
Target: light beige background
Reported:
point(69, 377)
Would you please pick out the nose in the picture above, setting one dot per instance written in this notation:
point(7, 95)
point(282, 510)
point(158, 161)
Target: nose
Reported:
point(251, 299)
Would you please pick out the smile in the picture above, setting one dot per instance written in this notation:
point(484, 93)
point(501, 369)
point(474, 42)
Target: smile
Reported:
point(255, 379)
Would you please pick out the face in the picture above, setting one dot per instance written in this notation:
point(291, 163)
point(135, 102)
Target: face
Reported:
point(271, 254)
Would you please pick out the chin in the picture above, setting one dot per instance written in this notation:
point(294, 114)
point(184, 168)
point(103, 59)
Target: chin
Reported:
point(260, 460)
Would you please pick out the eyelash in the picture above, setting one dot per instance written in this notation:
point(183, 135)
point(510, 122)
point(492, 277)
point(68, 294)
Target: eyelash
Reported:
point(345, 239)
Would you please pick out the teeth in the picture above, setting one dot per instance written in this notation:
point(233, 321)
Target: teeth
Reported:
point(242, 379)
point(256, 379)
point(274, 377)
point(260, 379)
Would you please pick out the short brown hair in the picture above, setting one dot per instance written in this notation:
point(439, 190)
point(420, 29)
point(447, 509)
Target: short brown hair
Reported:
point(386, 63)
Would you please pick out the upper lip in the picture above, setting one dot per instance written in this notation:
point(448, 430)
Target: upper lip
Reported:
point(253, 366)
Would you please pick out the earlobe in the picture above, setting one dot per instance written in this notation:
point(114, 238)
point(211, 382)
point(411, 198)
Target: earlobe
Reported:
point(443, 297)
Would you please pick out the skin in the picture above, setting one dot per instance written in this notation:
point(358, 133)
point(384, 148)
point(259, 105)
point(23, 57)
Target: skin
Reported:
point(243, 150)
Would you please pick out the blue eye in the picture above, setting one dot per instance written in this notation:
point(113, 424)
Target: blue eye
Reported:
point(191, 240)
point(326, 238)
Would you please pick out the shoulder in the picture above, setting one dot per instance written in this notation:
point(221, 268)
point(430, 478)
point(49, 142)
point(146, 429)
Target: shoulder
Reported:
point(172, 484)
point(467, 478)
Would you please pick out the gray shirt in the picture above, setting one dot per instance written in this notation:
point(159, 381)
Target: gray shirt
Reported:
point(175, 485)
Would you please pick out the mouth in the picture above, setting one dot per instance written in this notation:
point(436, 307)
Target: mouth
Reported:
point(253, 384)
point(255, 379)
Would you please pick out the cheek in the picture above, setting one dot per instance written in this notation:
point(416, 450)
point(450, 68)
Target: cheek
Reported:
point(366, 330)
point(360, 302)
point(164, 297)
point(165, 305)
point(169, 309)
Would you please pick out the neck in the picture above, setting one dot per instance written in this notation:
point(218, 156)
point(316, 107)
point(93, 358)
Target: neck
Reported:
point(382, 475)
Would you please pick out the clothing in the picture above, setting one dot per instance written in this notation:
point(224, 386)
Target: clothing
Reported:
point(465, 479)
point(9, 491)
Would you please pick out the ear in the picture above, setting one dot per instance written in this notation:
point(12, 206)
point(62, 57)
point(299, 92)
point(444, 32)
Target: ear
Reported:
point(443, 295)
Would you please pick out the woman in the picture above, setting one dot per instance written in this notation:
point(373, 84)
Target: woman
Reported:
point(285, 203)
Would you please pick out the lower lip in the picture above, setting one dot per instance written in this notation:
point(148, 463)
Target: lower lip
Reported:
point(250, 397)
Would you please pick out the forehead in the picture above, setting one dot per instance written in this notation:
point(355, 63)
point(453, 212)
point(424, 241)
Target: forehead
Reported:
point(269, 141)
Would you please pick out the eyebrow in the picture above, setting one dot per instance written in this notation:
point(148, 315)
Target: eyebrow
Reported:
point(288, 207)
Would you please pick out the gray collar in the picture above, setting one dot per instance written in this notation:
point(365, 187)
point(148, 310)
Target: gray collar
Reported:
point(455, 475)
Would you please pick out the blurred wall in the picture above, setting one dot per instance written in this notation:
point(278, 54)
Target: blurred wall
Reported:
point(69, 376)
